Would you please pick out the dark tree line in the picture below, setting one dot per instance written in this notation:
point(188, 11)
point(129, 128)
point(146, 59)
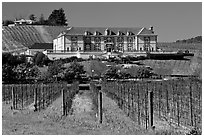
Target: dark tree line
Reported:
point(16, 69)
point(56, 18)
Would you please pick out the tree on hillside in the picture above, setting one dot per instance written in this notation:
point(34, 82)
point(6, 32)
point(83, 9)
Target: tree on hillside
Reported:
point(197, 39)
point(7, 22)
point(32, 17)
point(42, 20)
point(57, 18)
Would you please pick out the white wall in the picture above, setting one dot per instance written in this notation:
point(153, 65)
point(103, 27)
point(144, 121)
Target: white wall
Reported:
point(55, 44)
point(153, 42)
point(59, 43)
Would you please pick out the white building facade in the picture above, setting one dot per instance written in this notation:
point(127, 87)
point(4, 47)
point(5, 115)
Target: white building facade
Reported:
point(83, 39)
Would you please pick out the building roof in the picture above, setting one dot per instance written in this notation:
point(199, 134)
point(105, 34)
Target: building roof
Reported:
point(101, 30)
point(42, 46)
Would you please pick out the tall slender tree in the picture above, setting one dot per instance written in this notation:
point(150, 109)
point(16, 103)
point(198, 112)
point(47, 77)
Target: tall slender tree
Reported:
point(41, 20)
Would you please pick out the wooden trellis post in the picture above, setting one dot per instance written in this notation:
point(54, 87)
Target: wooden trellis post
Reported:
point(35, 97)
point(13, 98)
point(63, 103)
point(150, 102)
point(100, 113)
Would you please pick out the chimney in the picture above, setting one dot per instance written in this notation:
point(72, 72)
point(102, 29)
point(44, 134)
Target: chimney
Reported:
point(151, 28)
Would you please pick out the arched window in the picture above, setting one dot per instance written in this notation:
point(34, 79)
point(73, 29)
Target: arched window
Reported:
point(130, 39)
point(120, 39)
point(97, 40)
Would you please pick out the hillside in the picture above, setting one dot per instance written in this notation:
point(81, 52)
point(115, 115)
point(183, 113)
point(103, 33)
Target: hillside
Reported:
point(184, 67)
point(20, 37)
point(197, 39)
point(180, 46)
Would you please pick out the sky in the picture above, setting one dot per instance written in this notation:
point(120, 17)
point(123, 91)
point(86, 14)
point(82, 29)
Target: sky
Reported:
point(171, 20)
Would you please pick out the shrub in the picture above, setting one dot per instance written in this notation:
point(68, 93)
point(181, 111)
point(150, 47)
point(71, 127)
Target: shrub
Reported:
point(8, 58)
point(8, 75)
point(115, 73)
point(74, 72)
point(33, 74)
point(21, 71)
point(143, 72)
point(111, 73)
point(41, 59)
point(54, 69)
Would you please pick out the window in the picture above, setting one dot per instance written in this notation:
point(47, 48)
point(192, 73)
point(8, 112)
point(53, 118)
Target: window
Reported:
point(74, 38)
point(87, 43)
point(97, 41)
point(147, 39)
point(74, 41)
point(147, 43)
point(120, 39)
point(108, 39)
point(87, 47)
point(130, 47)
point(120, 47)
point(67, 48)
point(97, 47)
point(130, 39)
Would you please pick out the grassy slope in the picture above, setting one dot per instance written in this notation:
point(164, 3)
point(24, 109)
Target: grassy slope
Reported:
point(97, 66)
point(193, 66)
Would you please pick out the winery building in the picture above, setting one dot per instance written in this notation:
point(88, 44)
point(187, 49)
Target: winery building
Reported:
point(98, 39)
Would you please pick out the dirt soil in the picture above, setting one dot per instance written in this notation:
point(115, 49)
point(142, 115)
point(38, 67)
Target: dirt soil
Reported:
point(82, 120)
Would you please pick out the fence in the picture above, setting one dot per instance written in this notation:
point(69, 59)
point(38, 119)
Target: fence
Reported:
point(67, 96)
point(134, 103)
point(22, 95)
point(177, 101)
